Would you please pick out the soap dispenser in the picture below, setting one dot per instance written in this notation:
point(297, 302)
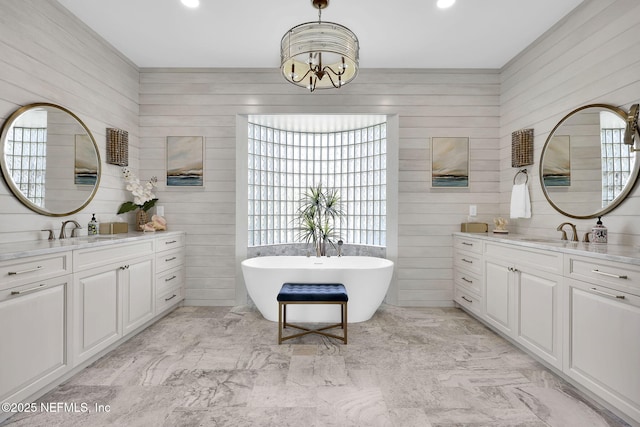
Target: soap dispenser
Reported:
point(92, 228)
point(599, 232)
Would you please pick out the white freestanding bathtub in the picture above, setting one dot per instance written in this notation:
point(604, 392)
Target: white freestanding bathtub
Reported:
point(366, 279)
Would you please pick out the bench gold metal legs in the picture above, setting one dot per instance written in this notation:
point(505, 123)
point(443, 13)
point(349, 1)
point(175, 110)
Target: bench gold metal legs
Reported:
point(282, 321)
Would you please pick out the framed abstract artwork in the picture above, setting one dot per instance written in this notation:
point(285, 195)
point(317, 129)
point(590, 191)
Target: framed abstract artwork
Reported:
point(185, 161)
point(556, 170)
point(449, 162)
point(85, 167)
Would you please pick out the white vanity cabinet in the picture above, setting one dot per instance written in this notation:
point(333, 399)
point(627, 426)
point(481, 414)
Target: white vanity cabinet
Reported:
point(97, 311)
point(499, 304)
point(572, 306)
point(138, 293)
point(67, 302)
point(523, 297)
point(467, 273)
point(602, 327)
point(34, 348)
point(169, 280)
point(113, 294)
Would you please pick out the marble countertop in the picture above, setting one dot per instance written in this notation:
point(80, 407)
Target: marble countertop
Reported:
point(602, 251)
point(16, 250)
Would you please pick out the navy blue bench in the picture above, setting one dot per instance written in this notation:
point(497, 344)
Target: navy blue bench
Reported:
point(312, 293)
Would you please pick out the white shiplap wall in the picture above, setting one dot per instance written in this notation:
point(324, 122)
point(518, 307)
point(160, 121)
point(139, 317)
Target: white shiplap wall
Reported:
point(427, 103)
point(47, 55)
point(589, 57)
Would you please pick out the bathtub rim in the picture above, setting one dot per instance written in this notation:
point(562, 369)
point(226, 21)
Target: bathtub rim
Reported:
point(377, 262)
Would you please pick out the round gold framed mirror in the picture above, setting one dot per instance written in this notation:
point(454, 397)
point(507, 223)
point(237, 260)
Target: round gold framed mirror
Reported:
point(586, 169)
point(49, 159)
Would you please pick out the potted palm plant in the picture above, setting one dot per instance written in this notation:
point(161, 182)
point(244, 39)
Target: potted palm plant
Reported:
point(319, 209)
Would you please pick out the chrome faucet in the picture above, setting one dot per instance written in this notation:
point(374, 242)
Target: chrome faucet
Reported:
point(73, 231)
point(574, 237)
point(340, 243)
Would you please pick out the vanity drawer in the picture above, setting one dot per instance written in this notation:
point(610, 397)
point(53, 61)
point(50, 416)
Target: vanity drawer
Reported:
point(168, 280)
point(168, 260)
point(625, 277)
point(93, 257)
point(170, 242)
point(468, 280)
point(168, 299)
point(26, 270)
point(548, 261)
point(468, 300)
point(468, 261)
point(467, 244)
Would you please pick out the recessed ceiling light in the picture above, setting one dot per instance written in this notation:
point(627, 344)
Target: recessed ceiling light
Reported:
point(443, 4)
point(191, 3)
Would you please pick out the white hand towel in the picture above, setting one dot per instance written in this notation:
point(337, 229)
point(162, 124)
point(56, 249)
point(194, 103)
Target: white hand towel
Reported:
point(520, 203)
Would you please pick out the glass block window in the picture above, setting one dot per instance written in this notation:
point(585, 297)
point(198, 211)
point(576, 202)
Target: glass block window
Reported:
point(617, 163)
point(282, 165)
point(26, 157)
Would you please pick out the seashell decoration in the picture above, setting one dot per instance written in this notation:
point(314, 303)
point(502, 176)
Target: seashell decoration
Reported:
point(158, 223)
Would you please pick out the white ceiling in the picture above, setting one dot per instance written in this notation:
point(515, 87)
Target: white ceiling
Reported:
point(392, 34)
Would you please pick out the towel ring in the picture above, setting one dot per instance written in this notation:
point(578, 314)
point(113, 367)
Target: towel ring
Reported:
point(523, 171)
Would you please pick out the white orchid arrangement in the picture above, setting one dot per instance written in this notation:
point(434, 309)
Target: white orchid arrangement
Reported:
point(143, 196)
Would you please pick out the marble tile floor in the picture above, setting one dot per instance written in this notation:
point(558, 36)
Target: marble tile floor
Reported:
point(221, 366)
